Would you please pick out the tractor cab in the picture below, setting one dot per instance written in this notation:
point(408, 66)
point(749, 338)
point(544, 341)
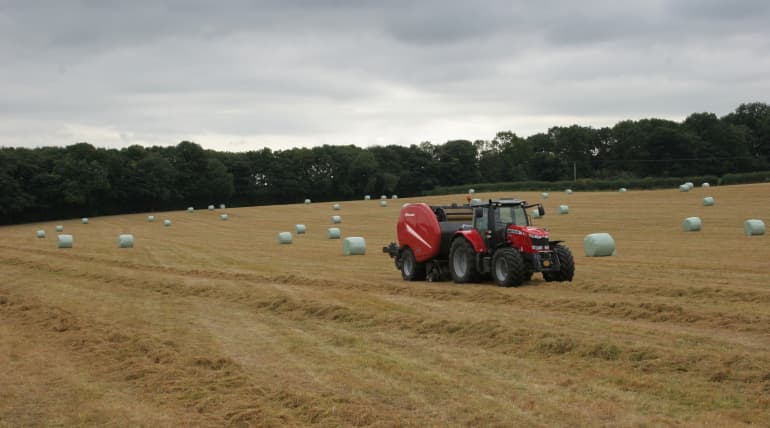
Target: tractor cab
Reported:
point(498, 220)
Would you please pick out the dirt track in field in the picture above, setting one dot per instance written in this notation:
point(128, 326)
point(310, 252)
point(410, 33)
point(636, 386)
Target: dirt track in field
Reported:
point(212, 323)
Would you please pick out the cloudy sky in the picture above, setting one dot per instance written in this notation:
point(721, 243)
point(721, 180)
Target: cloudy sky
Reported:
point(242, 75)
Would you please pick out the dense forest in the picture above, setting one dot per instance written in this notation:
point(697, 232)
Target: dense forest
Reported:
point(82, 180)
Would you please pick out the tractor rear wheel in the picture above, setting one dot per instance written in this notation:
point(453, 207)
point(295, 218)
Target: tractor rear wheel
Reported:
point(508, 268)
point(567, 263)
point(462, 262)
point(410, 269)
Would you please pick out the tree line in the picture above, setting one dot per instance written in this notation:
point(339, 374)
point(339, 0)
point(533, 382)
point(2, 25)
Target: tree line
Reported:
point(82, 180)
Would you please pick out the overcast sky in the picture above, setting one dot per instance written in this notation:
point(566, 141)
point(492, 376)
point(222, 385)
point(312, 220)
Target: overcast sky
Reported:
point(243, 75)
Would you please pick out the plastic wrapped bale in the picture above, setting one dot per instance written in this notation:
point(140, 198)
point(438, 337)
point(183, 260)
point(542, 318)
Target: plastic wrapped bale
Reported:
point(599, 245)
point(544, 195)
point(568, 191)
point(167, 222)
point(563, 209)
point(394, 197)
point(684, 188)
point(336, 219)
point(475, 201)
point(691, 224)
point(622, 190)
point(190, 209)
point(300, 229)
point(224, 217)
point(471, 191)
point(535, 213)
point(367, 197)
point(354, 246)
point(336, 207)
point(753, 227)
point(307, 201)
point(708, 201)
point(84, 220)
point(41, 233)
point(284, 238)
point(382, 197)
point(222, 206)
point(64, 241)
point(706, 184)
point(59, 228)
point(689, 184)
point(333, 233)
point(126, 241)
point(211, 207)
point(383, 203)
point(151, 218)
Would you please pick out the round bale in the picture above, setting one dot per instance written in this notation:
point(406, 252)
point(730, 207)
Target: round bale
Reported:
point(333, 233)
point(307, 201)
point(568, 191)
point(151, 218)
point(599, 245)
point(689, 184)
point(222, 206)
point(753, 227)
point(383, 203)
point(471, 191)
point(64, 241)
point(544, 195)
point(622, 190)
point(563, 209)
point(383, 197)
point(59, 228)
point(367, 197)
point(167, 222)
point(224, 216)
point(41, 233)
point(708, 201)
point(354, 246)
point(190, 209)
point(691, 224)
point(84, 220)
point(475, 201)
point(684, 188)
point(284, 238)
point(126, 241)
point(336, 207)
point(211, 207)
point(336, 219)
point(705, 185)
point(394, 197)
point(300, 229)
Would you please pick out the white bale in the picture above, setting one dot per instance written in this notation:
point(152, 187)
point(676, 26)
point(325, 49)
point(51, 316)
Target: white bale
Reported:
point(59, 228)
point(64, 241)
point(190, 209)
point(684, 188)
point(41, 233)
point(383, 203)
point(222, 206)
point(84, 220)
point(151, 218)
point(394, 197)
point(367, 197)
point(167, 222)
point(354, 246)
point(708, 201)
point(689, 184)
point(224, 216)
point(211, 207)
point(471, 191)
point(336, 219)
point(284, 238)
point(300, 229)
point(568, 191)
point(383, 197)
point(753, 227)
point(622, 190)
point(563, 209)
point(333, 233)
point(599, 245)
point(126, 241)
point(544, 195)
point(307, 201)
point(535, 213)
point(705, 185)
point(691, 224)
point(475, 201)
point(336, 207)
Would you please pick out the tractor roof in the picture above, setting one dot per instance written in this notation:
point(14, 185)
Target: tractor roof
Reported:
point(499, 202)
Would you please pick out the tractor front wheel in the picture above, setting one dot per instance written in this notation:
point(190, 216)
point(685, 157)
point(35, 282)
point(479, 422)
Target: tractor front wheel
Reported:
point(508, 268)
point(567, 263)
point(410, 269)
point(462, 262)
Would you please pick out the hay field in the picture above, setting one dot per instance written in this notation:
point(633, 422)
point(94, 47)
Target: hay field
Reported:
point(212, 323)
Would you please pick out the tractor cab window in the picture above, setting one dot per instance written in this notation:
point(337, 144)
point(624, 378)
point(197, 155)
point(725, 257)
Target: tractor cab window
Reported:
point(514, 214)
point(481, 219)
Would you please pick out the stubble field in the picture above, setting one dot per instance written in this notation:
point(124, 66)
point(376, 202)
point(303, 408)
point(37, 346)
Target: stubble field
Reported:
point(211, 322)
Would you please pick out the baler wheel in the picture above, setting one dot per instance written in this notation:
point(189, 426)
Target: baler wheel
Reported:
point(410, 269)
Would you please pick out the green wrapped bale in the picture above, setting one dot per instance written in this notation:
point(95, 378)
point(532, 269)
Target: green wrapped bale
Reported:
point(622, 190)
point(59, 228)
point(354, 246)
point(167, 222)
point(691, 224)
point(336, 219)
point(307, 201)
point(126, 241)
point(544, 195)
point(300, 229)
point(211, 207)
point(150, 218)
point(333, 233)
point(284, 238)
point(190, 209)
point(41, 233)
point(336, 207)
point(684, 188)
point(367, 197)
point(224, 217)
point(708, 201)
point(84, 220)
point(568, 191)
point(754, 227)
point(64, 241)
point(383, 203)
point(599, 245)
point(563, 209)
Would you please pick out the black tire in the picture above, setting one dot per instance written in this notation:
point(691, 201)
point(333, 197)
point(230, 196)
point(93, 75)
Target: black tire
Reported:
point(462, 262)
point(567, 265)
point(508, 268)
point(410, 269)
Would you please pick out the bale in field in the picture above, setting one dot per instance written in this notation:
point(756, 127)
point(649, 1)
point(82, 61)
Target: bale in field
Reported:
point(167, 222)
point(568, 191)
point(471, 191)
point(691, 224)
point(126, 241)
point(563, 209)
point(383, 203)
point(599, 245)
point(383, 197)
point(708, 201)
point(333, 233)
point(622, 190)
point(300, 229)
point(336, 207)
point(394, 197)
point(211, 207)
point(354, 246)
point(307, 201)
point(84, 220)
point(284, 238)
point(64, 241)
point(705, 185)
point(544, 195)
point(59, 228)
point(336, 219)
point(150, 218)
point(222, 206)
point(367, 197)
point(41, 233)
point(224, 216)
point(753, 227)
point(190, 209)
point(684, 188)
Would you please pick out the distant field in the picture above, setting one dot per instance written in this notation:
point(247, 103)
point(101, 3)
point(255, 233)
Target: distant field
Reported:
point(212, 323)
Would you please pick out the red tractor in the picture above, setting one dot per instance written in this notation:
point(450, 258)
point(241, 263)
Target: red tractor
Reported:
point(466, 242)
